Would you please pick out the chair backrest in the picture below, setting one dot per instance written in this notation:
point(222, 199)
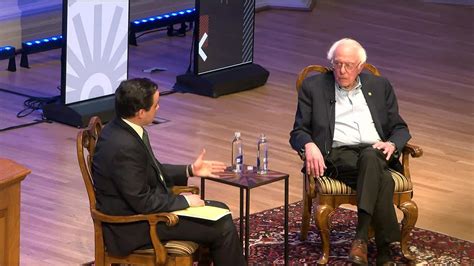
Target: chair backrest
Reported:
point(322, 69)
point(85, 144)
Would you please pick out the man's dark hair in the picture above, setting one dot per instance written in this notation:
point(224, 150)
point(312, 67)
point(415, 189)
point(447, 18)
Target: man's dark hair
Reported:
point(133, 95)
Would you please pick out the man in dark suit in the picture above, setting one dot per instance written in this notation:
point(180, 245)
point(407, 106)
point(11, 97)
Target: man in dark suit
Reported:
point(348, 127)
point(128, 180)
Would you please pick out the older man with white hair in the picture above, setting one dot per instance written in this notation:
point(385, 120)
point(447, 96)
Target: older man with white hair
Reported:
point(348, 126)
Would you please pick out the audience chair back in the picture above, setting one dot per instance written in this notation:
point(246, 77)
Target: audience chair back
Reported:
point(162, 253)
point(330, 193)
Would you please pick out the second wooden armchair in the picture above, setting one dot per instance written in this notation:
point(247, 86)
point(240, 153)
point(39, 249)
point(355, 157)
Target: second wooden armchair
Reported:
point(329, 193)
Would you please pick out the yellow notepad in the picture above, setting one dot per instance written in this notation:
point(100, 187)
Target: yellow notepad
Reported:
point(204, 212)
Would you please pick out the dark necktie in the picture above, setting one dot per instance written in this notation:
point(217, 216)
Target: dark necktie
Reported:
point(146, 140)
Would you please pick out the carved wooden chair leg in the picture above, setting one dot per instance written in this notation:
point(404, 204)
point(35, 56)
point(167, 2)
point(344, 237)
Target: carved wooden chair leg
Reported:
point(410, 215)
point(322, 216)
point(306, 216)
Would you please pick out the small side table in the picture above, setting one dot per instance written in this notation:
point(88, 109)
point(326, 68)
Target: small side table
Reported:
point(247, 180)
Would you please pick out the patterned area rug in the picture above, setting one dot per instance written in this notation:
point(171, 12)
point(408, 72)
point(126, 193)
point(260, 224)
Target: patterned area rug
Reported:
point(266, 241)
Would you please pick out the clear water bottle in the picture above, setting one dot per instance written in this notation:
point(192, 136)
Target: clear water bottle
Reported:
point(262, 155)
point(237, 153)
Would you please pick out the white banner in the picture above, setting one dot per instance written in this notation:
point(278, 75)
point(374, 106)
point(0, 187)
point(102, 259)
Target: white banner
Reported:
point(96, 48)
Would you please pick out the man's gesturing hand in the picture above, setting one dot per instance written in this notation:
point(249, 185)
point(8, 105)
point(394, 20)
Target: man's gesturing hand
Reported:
point(207, 168)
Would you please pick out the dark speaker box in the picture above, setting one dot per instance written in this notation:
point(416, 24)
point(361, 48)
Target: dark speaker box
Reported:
point(223, 82)
point(79, 114)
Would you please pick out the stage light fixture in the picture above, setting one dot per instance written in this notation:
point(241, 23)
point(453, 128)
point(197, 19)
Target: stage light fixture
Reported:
point(8, 52)
point(40, 45)
point(163, 20)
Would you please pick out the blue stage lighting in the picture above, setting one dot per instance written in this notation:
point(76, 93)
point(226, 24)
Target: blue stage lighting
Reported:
point(40, 45)
point(8, 52)
point(163, 20)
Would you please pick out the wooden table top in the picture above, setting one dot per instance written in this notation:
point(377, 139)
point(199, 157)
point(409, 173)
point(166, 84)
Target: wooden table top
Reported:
point(248, 178)
point(11, 172)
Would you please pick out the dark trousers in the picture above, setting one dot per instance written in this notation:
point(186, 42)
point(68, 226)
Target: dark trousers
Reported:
point(365, 169)
point(221, 236)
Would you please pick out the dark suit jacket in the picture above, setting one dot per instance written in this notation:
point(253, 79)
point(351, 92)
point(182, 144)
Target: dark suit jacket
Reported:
point(315, 114)
point(127, 182)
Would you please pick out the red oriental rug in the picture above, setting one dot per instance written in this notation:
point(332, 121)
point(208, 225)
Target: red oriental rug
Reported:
point(266, 241)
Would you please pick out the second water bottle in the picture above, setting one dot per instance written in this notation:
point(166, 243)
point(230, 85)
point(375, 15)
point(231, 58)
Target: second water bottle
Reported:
point(262, 155)
point(237, 153)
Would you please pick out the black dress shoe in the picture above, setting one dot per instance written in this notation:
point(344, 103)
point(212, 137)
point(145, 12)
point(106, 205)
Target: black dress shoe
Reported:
point(358, 254)
point(384, 255)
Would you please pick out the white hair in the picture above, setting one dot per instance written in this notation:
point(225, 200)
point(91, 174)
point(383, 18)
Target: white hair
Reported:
point(360, 50)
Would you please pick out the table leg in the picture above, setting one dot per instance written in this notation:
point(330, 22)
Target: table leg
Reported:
point(247, 228)
point(241, 220)
point(286, 221)
point(203, 189)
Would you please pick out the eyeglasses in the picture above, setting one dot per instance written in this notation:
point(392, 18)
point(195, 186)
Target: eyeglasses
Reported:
point(347, 66)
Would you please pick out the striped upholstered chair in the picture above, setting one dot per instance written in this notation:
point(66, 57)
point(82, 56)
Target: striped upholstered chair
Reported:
point(329, 193)
point(163, 253)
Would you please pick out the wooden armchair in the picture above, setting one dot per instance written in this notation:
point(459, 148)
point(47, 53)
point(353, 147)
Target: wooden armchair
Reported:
point(169, 253)
point(330, 193)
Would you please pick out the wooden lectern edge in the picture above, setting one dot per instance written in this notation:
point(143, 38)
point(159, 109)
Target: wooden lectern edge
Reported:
point(11, 172)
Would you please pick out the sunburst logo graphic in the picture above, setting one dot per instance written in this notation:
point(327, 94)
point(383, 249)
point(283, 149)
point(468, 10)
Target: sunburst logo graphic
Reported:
point(97, 48)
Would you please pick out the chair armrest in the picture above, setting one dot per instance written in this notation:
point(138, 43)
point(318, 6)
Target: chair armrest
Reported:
point(170, 219)
point(310, 185)
point(185, 189)
point(309, 182)
point(413, 151)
